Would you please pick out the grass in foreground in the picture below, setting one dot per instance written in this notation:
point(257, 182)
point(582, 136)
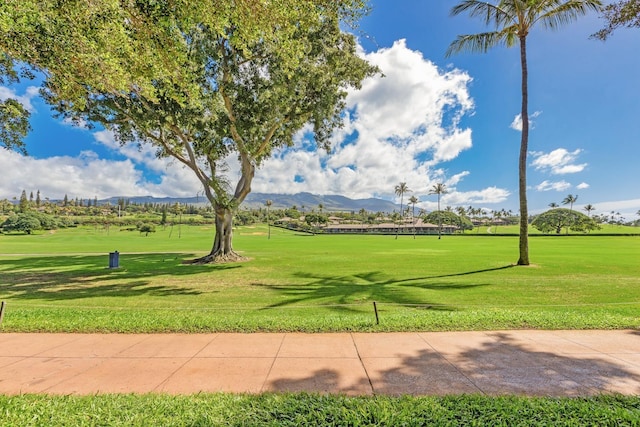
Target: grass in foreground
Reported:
point(315, 283)
point(315, 410)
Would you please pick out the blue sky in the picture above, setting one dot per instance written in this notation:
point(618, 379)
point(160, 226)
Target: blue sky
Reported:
point(429, 119)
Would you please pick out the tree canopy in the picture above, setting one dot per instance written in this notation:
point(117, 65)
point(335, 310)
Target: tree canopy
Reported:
point(554, 220)
point(448, 218)
point(204, 85)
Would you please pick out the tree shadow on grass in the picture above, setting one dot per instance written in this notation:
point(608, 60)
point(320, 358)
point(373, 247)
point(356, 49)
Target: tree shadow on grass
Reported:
point(65, 277)
point(344, 292)
point(500, 364)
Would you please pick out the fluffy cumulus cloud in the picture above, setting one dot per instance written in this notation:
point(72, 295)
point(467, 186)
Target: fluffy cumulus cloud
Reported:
point(558, 162)
point(400, 127)
point(553, 186)
point(582, 186)
point(516, 124)
point(489, 195)
point(88, 176)
point(85, 176)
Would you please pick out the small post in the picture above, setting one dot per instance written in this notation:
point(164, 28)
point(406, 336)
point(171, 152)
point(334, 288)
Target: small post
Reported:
point(1, 311)
point(375, 309)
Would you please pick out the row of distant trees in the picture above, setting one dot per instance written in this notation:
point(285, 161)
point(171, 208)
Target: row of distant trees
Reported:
point(144, 217)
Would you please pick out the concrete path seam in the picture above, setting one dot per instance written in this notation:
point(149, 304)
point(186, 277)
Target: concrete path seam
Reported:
point(273, 362)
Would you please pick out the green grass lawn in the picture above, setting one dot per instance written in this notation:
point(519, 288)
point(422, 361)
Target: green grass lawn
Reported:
point(59, 281)
point(315, 410)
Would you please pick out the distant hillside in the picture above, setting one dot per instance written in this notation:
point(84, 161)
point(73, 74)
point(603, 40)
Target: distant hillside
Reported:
point(303, 201)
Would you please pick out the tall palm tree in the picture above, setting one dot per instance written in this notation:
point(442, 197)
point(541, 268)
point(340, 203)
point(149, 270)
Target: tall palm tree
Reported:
point(589, 208)
point(512, 21)
point(400, 190)
point(439, 189)
point(570, 200)
point(268, 203)
point(462, 213)
point(412, 201)
point(497, 215)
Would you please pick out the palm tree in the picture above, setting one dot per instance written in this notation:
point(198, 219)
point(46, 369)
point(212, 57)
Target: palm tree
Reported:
point(512, 21)
point(553, 205)
point(570, 200)
point(589, 208)
point(268, 203)
point(496, 218)
point(412, 201)
point(439, 189)
point(462, 213)
point(400, 190)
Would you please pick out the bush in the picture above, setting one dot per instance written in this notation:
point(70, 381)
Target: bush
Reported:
point(23, 222)
point(147, 228)
point(449, 218)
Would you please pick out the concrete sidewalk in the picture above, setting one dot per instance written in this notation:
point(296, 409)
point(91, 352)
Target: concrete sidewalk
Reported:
point(548, 363)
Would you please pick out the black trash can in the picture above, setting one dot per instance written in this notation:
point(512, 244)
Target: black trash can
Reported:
point(114, 259)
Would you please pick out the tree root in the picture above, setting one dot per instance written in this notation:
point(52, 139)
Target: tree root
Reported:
point(217, 258)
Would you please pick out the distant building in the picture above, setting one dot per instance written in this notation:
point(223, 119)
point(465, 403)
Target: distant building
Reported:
point(420, 227)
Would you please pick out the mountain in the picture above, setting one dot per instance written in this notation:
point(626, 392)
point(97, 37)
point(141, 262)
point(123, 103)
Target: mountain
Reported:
point(308, 201)
point(303, 201)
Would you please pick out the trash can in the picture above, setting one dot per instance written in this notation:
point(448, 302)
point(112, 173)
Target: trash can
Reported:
point(114, 259)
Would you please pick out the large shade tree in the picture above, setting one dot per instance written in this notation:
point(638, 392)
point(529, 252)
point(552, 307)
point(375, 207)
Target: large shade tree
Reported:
point(552, 221)
point(234, 83)
point(511, 22)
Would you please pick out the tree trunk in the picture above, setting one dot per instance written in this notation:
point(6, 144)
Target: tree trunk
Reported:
point(522, 166)
point(222, 250)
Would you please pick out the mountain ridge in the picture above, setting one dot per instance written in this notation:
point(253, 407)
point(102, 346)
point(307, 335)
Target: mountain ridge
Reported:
point(303, 201)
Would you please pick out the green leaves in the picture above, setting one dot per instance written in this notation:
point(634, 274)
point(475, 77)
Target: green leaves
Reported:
point(554, 220)
point(14, 125)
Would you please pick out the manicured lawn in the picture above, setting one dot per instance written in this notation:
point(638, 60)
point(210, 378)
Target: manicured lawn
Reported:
point(60, 282)
point(293, 282)
point(315, 410)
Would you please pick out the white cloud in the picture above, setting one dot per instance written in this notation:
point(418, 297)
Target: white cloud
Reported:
point(557, 186)
point(85, 176)
point(627, 208)
point(456, 178)
point(582, 186)
point(558, 162)
point(88, 176)
point(400, 127)
point(25, 99)
point(488, 195)
point(516, 124)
